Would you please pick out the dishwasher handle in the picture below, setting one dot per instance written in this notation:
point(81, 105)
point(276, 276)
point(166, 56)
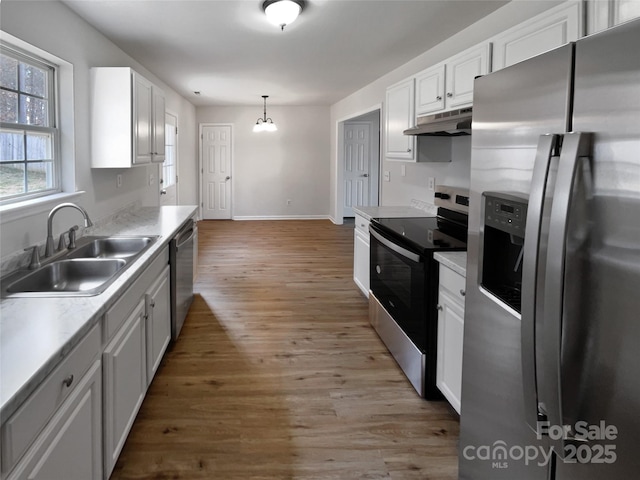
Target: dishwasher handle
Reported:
point(189, 232)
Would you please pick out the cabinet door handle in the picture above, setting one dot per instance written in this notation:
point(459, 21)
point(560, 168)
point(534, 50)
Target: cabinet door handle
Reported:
point(153, 304)
point(439, 308)
point(438, 98)
point(462, 292)
point(449, 94)
point(408, 150)
point(68, 381)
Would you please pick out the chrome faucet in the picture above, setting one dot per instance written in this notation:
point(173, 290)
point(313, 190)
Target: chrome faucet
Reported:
point(50, 249)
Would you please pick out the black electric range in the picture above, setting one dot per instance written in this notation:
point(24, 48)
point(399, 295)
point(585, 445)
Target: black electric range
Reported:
point(447, 231)
point(404, 288)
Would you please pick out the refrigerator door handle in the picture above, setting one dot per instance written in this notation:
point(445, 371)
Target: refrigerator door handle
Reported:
point(547, 145)
point(573, 158)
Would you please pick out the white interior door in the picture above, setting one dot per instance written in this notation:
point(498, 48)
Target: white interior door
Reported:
point(169, 171)
point(357, 151)
point(216, 172)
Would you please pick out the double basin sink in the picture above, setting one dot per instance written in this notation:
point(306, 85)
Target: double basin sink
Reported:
point(86, 270)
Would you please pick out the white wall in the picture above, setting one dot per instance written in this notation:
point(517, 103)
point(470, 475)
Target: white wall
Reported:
point(51, 26)
point(401, 189)
point(271, 167)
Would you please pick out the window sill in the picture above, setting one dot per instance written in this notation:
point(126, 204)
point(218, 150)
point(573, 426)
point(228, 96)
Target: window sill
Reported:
point(11, 212)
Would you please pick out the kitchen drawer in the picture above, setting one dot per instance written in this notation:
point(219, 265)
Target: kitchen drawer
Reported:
point(362, 224)
point(453, 282)
point(119, 312)
point(21, 429)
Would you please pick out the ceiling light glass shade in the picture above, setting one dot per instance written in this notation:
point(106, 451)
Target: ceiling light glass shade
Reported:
point(262, 126)
point(282, 12)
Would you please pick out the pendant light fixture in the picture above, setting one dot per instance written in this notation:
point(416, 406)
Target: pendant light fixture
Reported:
point(282, 12)
point(265, 124)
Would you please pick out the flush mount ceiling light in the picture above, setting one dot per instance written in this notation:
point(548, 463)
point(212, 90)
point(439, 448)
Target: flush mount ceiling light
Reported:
point(282, 12)
point(265, 124)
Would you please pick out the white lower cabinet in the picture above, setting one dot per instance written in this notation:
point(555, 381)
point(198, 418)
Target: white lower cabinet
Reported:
point(361, 254)
point(69, 448)
point(450, 335)
point(137, 331)
point(75, 423)
point(125, 383)
point(158, 318)
point(62, 418)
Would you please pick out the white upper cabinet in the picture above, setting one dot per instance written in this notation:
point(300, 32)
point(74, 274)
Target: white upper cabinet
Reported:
point(430, 90)
point(158, 126)
point(127, 119)
point(449, 84)
point(546, 31)
point(400, 115)
point(462, 71)
point(603, 14)
point(142, 120)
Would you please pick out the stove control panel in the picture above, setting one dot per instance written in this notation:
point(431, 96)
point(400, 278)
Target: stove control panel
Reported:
point(453, 198)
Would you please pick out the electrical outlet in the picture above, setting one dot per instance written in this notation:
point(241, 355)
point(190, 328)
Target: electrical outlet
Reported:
point(152, 179)
point(432, 184)
point(387, 176)
point(119, 180)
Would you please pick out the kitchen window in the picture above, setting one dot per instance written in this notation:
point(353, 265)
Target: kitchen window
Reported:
point(29, 134)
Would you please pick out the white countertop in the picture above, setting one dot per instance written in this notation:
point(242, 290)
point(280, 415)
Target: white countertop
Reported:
point(456, 261)
point(427, 210)
point(36, 333)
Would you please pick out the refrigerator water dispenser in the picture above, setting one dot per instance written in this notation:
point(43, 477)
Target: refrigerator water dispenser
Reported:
point(505, 215)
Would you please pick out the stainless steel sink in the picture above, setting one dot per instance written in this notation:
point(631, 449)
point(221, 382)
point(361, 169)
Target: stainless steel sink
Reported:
point(86, 270)
point(76, 276)
point(110, 247)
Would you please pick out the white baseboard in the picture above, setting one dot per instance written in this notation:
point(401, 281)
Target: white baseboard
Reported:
point(282, 217)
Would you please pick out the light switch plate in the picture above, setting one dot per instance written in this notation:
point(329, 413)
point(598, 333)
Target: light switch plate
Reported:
point(432, 184)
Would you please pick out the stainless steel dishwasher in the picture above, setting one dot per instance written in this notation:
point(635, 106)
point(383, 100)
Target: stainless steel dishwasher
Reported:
point(181, 252)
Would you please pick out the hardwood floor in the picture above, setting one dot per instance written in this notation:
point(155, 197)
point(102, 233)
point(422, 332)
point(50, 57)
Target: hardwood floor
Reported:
point(278, 375)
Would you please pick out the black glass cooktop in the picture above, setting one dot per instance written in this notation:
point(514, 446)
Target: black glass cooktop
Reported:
point(423, 233)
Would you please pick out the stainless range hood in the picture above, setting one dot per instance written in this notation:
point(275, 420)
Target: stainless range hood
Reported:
point(445, 124)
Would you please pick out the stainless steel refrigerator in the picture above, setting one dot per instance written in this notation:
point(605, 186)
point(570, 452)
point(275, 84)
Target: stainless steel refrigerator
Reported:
point(551, 362)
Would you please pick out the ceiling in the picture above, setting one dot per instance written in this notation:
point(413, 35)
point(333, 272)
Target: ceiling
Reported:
point(228, 51)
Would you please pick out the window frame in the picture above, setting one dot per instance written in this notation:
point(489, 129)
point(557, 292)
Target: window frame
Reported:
point(31, 58)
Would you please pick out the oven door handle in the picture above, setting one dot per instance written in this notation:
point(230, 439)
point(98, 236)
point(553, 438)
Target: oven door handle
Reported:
point(414, 257)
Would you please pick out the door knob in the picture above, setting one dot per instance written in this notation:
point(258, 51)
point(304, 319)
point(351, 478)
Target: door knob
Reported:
point(365, 175)
point(163, 192)
point(227, 178)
